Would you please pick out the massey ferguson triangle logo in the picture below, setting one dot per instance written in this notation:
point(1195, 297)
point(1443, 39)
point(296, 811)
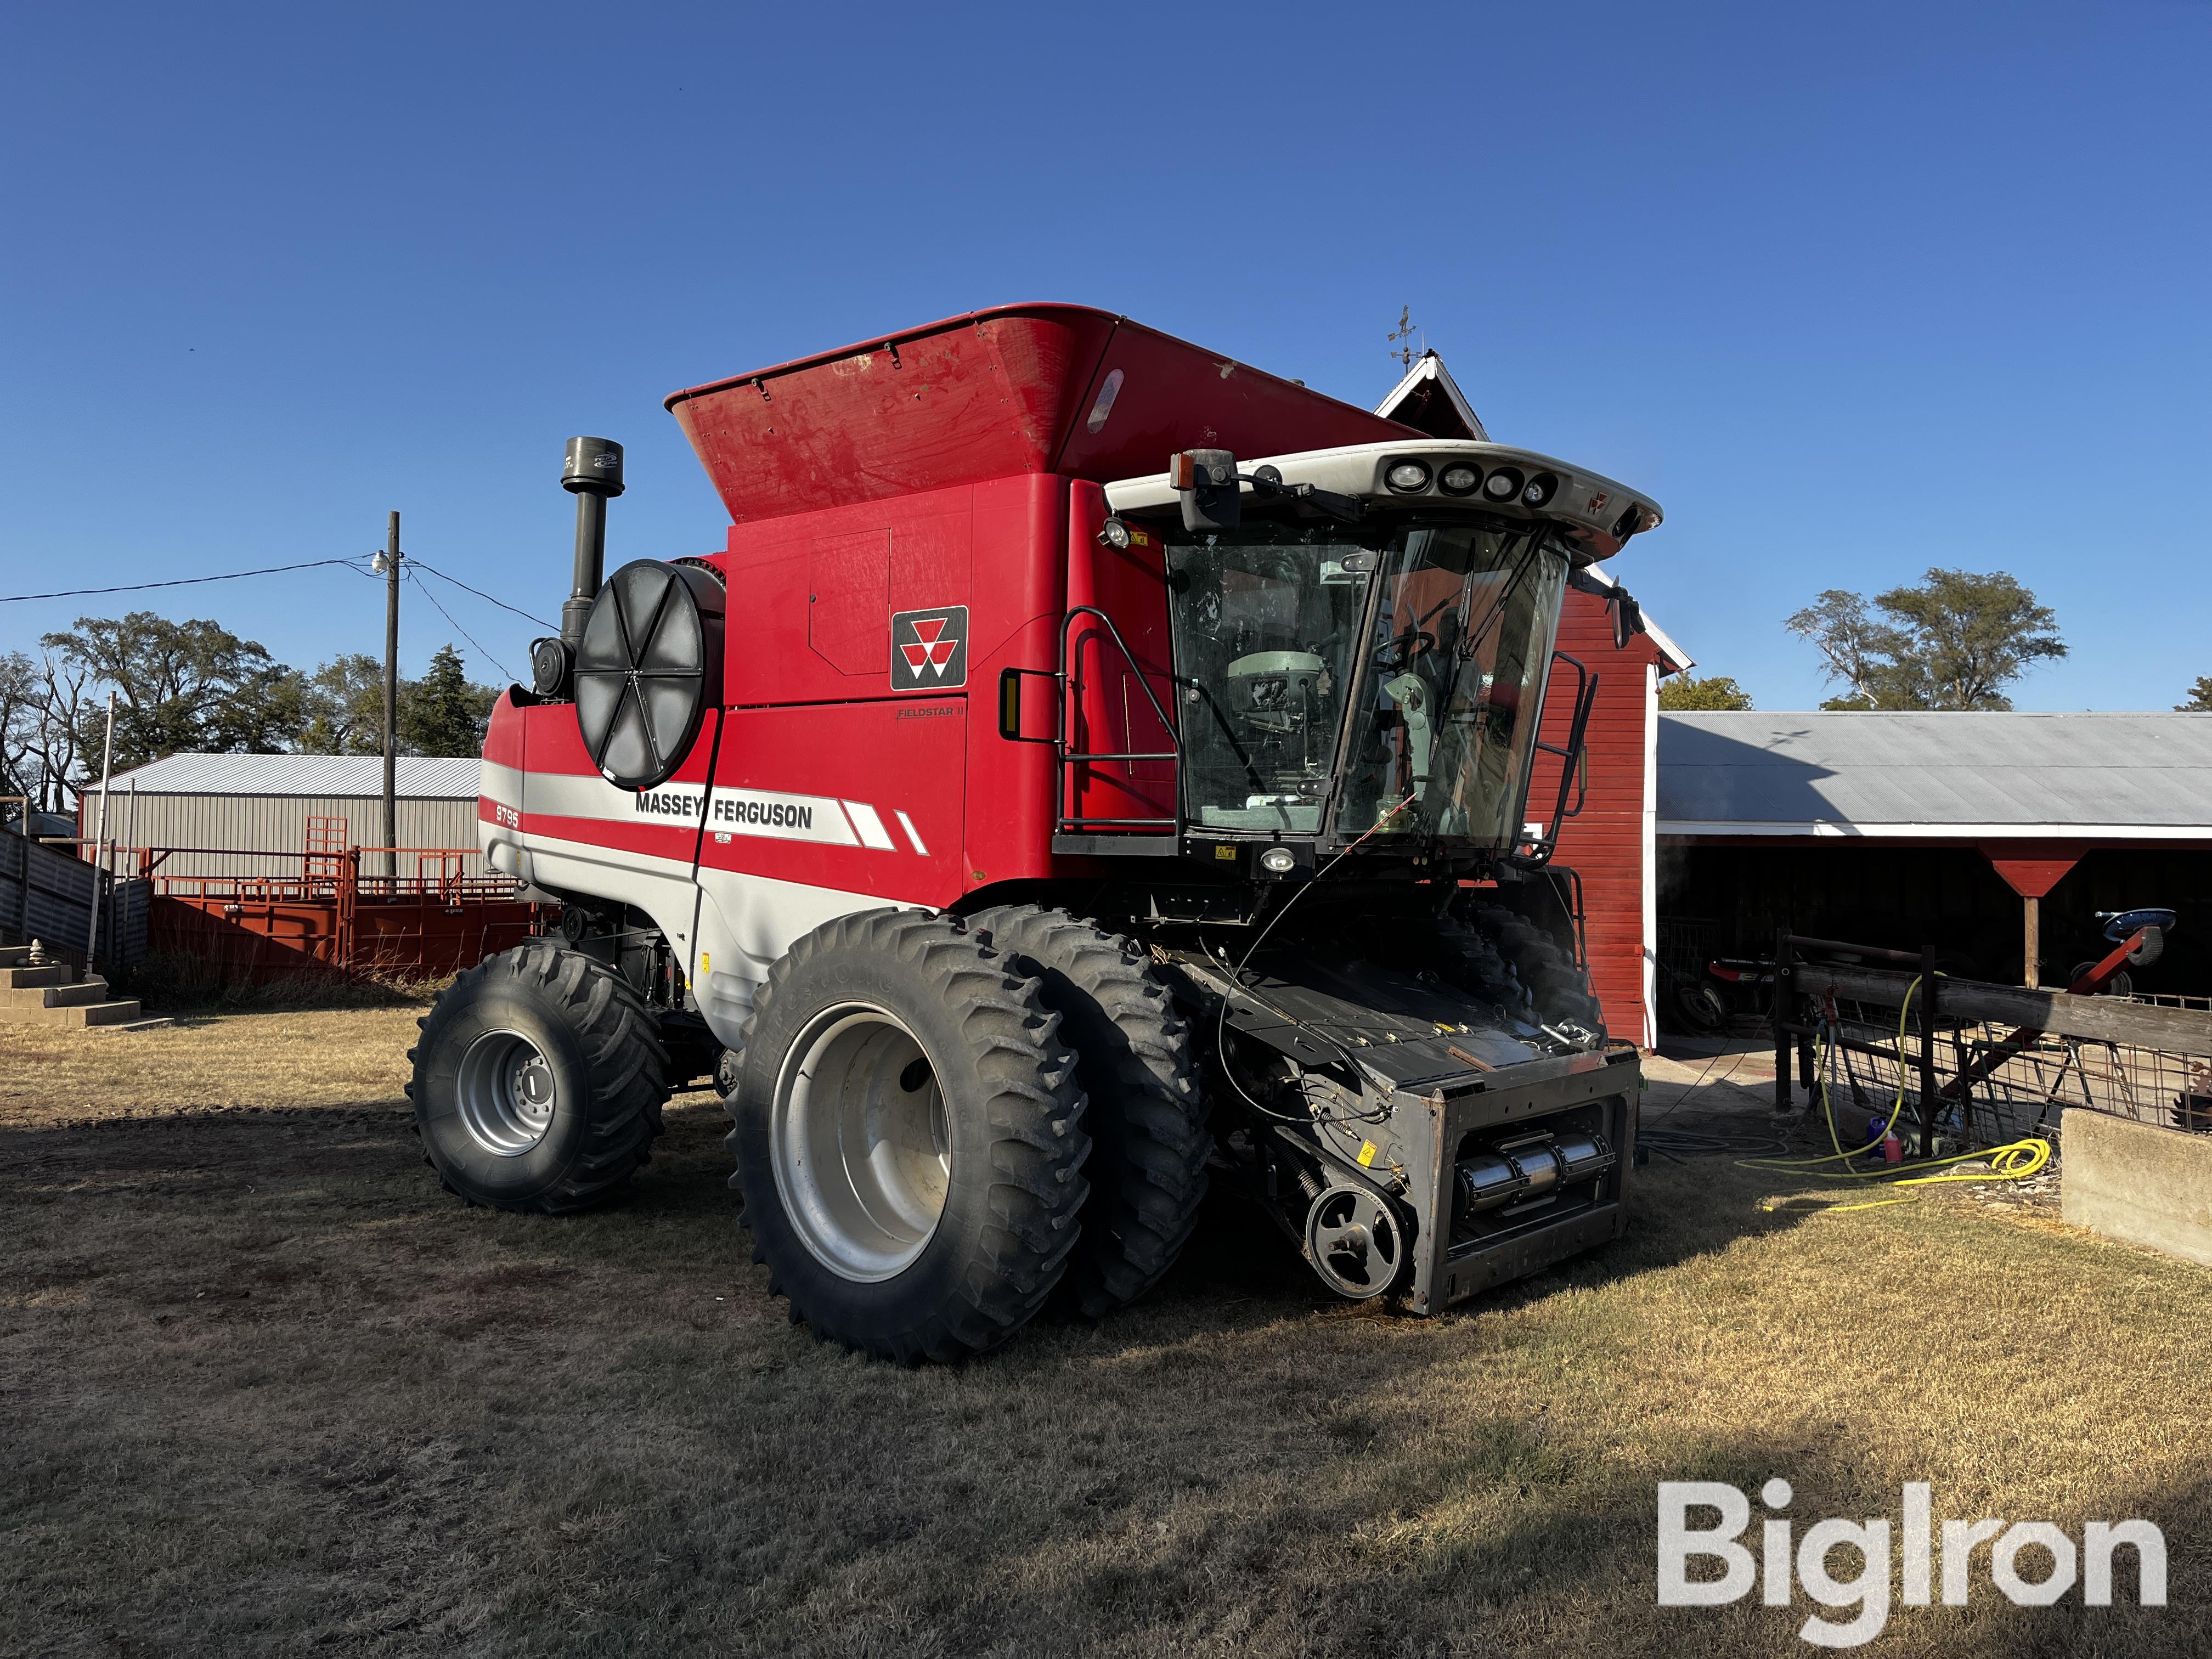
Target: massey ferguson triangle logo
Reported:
point(929, 648)
point(934, 651)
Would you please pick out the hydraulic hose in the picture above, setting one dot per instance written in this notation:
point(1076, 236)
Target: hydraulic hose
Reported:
point(2014, 1161)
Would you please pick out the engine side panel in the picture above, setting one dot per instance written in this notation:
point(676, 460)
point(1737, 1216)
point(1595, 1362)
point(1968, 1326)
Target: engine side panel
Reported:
point(546, 816)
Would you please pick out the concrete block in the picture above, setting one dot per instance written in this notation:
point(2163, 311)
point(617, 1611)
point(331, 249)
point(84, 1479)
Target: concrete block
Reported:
point(2138, 1182)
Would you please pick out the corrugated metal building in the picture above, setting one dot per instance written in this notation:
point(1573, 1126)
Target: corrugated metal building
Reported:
point(246, 815)
point(1996, 836)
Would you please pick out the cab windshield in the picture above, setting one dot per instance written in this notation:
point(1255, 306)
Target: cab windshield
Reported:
point(1432, 639)
point(1451, 685)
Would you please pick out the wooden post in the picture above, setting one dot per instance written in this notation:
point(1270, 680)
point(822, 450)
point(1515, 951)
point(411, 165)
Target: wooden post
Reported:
point(1784, 1000)
point(1927, 996)
point(2031, 938)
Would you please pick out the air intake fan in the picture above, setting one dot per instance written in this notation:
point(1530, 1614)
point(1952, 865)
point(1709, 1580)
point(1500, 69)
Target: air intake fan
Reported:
point(648, 667)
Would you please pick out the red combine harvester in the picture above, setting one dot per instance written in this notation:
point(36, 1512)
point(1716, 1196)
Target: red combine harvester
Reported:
point(1023, 837)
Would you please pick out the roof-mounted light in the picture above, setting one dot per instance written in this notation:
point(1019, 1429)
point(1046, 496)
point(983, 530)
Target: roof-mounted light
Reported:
point(1459, 480)
point(1539, 489)
point(1504, 484)
point(1408, 478)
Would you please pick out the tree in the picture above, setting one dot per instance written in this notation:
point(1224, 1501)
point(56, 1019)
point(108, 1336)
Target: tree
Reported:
point(182, 687)
point(1683, 692)
point(44, 703)
point(444, 714)
point(2200, 698)
point(22, 696)
point(1956, 641)
point(344, 707)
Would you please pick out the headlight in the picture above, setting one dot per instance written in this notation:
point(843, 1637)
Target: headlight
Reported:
point(1539, 489)
point(1408, 478)
point(1459, 480)
point(1278, 861)
point(1503, 485)
point(1113, 533)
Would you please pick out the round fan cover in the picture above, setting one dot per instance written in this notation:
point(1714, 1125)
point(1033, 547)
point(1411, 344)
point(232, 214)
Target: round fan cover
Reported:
point(649, 666)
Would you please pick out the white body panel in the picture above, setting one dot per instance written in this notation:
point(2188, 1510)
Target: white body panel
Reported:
point(727, 927)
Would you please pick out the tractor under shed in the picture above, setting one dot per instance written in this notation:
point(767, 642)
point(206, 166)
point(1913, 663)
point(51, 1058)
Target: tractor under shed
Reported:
point(1996, 836)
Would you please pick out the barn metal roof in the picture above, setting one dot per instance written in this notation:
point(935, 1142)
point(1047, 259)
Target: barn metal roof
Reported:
point(1980, 775)
point(417, 777)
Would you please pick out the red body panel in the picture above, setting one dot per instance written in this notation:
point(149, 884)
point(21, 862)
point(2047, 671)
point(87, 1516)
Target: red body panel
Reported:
point(564, 797)
point(992, 394)
point(879, 784)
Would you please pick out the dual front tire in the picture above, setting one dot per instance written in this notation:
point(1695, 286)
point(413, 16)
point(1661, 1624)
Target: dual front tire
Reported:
point(945, 1127)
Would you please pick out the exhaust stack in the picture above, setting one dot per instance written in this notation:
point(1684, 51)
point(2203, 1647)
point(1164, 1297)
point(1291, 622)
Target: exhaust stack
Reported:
point(593, 473)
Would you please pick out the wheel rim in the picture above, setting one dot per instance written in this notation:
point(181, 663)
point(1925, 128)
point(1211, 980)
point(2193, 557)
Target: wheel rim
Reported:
point(506, 1093)
point(859, 1142)
point(1352, 1240)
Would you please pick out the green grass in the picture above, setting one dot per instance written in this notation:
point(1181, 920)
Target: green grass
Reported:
point(268, 1389)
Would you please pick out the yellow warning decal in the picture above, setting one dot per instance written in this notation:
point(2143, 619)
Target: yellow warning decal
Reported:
point(1366, 1154)
point(706, 961)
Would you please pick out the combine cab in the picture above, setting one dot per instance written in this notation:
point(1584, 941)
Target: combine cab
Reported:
point(1025, 836)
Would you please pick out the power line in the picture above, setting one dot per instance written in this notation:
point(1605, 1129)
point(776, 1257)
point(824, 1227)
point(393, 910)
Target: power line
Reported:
point(180, 582)
point(480, 593)
point(448, 615)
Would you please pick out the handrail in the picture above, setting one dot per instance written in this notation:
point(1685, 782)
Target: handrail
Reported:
point(1067, 754)
point(1574, 771)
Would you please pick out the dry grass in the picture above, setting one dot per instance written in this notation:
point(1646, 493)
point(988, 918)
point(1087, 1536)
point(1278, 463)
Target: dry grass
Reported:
point(180, 982)
point(269, 1390)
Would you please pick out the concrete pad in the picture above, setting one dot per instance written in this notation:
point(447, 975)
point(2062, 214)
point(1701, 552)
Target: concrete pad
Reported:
point(2141, 1182)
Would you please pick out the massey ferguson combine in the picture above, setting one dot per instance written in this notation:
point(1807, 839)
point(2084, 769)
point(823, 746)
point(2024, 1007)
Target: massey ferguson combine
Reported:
point(1093, 769)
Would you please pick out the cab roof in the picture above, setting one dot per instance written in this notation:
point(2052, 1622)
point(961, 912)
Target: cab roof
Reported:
point(1597, 513)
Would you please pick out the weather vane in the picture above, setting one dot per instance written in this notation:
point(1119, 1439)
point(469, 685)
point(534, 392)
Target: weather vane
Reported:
point(1404, 332)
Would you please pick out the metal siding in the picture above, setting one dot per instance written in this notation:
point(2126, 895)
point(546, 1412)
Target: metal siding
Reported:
point(277, 825)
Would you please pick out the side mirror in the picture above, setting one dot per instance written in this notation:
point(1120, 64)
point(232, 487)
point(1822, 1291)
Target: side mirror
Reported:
point(1206, 480)
point(1627, 619)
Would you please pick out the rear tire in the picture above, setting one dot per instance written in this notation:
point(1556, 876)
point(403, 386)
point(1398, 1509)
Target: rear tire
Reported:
point(1701, 1008)
point(909, 1138)
point(1149, 1144)
point(539, 1081)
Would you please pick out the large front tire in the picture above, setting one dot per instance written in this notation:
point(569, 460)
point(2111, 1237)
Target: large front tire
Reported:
point(1145, 1113)
point(909, 1138)
point(539, 1081)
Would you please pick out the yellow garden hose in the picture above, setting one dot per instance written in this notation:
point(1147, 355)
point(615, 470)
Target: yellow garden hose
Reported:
point(2015, 1160)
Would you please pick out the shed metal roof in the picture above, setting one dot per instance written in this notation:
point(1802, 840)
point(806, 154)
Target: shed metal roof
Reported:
point(417, 777)
point(2119, 776)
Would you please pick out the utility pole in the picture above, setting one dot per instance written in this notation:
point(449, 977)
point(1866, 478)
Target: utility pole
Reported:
point(99, 845)
point(392, 698)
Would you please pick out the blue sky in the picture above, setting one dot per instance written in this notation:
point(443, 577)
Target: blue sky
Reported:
point(1851, 290)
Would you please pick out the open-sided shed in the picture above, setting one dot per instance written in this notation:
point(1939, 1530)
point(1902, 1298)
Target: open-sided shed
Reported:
point(1995, 835)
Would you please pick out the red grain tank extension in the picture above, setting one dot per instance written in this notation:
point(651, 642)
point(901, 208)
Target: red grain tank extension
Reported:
point(1024, 835)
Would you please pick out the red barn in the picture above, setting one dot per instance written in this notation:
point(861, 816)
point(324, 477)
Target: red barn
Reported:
point(1613, 843)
